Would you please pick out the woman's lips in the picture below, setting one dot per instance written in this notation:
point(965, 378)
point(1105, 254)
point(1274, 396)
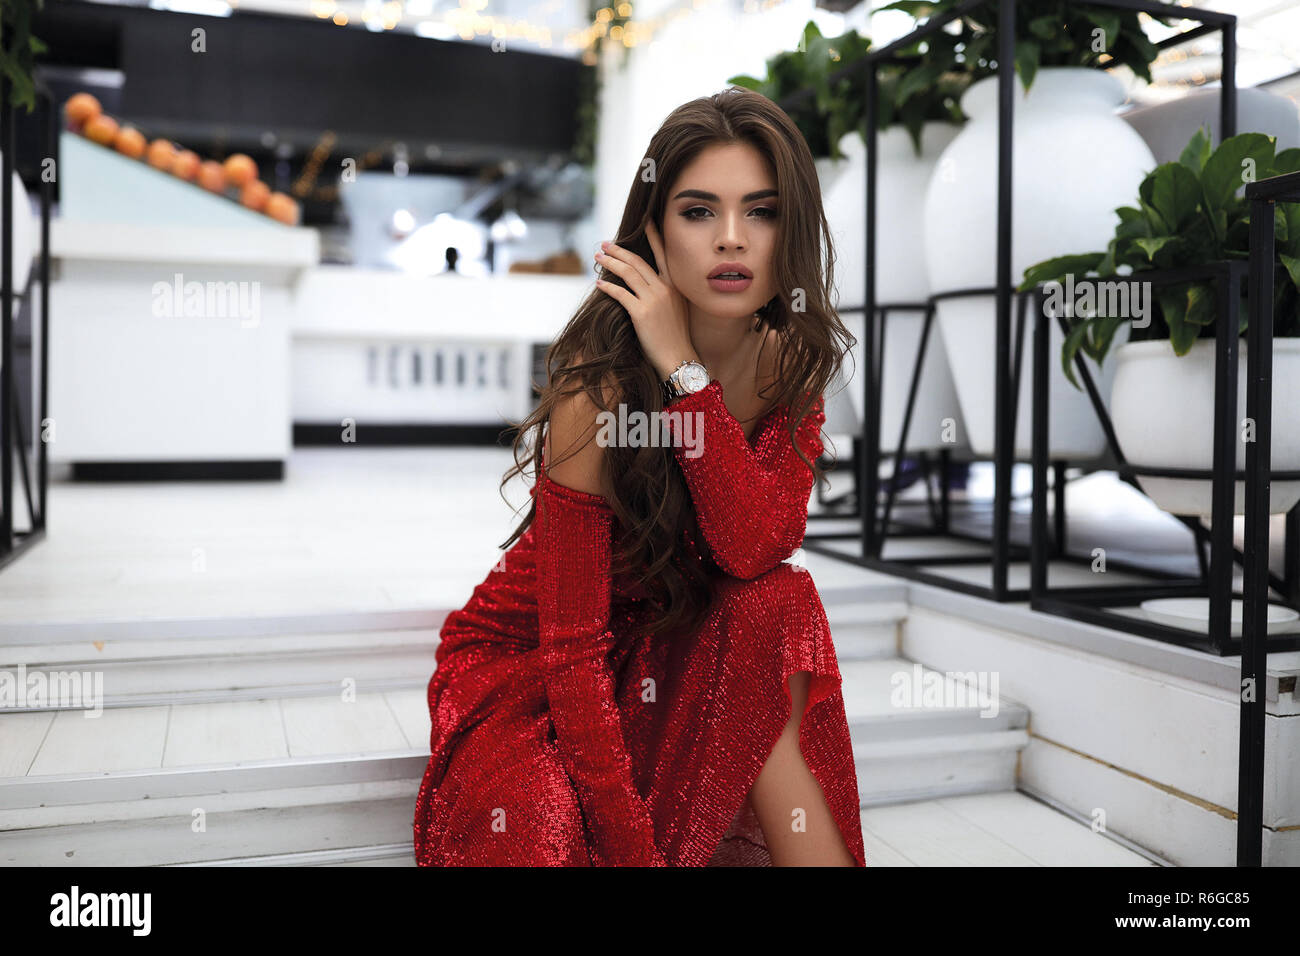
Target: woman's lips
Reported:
point(730, 285)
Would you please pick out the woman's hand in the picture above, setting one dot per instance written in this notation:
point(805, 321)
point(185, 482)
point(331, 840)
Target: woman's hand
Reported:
point(659, 312)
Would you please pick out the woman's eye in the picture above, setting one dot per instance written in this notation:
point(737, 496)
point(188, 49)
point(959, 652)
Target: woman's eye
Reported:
point(763, 212)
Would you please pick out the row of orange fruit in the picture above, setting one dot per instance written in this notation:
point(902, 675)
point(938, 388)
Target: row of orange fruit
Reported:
point(237, 173)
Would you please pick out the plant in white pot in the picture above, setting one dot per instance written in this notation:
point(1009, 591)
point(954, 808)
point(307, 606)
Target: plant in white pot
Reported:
point(917, 116)
point(1073, 161)
point(1162, 398)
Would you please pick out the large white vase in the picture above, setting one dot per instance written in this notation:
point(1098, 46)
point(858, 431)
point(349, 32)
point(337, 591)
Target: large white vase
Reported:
point(1162, 406)
point(901, 178)
point(1074, 162)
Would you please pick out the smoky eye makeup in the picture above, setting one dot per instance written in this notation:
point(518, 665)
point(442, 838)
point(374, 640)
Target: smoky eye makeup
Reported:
point(696, 213)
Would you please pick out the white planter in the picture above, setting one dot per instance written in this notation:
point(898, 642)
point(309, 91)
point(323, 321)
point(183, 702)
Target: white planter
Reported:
point(900, 277)
point(1074, 161)
point(1162, 406)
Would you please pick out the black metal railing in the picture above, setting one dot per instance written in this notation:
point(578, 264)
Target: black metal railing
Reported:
point(1216, 574)
point(873, 532)
point(13, 437)
point(1262, 196)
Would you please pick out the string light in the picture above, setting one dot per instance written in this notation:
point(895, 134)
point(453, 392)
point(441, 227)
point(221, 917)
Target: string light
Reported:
point(468, 21)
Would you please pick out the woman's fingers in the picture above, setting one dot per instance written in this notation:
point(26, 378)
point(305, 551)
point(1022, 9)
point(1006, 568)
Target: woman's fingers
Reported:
point(636, 282)
point(639, 265)
point(619, 294)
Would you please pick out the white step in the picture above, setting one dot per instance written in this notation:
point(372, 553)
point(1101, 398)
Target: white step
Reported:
point(217, 724)
point(904, 753)
point(185, 663)
point(295, 834)
point(865, 629)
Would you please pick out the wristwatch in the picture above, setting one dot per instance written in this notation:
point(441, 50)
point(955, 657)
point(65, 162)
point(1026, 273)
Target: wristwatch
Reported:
point(685, 379)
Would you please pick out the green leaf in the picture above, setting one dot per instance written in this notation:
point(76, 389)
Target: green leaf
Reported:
point(1132, 223)
point(1175, 193)
point(1287, 161)
point(1173, 303)
point(1027, 54)
point(1227, 167)
point(917, 79)
point(1059, 267)
point(1200, 304)
point(1153, 245)
point(1292, 264)
point(917, 9)
point(1103, 334)
point(1073, 342)
point(1108, 22)
point(1046, 27)
point(1196, 152)
point(1156, 225)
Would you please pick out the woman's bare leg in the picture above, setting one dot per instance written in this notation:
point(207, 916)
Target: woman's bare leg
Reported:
point(791, 808)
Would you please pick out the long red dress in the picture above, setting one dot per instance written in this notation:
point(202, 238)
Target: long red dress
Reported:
point(563, 736)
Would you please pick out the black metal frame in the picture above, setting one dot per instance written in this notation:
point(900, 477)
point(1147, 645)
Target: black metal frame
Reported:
point(14, 542)
point(1257, 475)
point(1259, 407)
point(1093, 604)
point(1003, 551)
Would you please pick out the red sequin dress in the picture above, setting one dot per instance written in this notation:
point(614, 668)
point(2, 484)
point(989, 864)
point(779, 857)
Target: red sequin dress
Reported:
point(562, 737)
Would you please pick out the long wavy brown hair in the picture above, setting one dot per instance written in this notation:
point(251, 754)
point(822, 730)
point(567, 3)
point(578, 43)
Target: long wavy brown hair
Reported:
point(598, 351)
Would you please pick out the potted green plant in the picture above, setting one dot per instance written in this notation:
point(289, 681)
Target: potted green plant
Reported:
point(1188, 213)
point(917, 115)
point(835, 108)
point(1073, 160)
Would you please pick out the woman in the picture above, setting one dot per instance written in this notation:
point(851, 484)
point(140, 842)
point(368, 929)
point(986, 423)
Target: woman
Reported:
point(641, 680)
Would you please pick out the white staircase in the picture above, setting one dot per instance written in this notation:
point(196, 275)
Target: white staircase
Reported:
point(238, 750)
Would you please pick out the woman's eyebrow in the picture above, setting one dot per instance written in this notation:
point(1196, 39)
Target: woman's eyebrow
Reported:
point(712, 197)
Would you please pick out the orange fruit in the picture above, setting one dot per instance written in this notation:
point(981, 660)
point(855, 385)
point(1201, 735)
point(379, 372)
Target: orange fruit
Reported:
point(81, 107)
point(161, 155)
point(186, 165)
point(240, 169)
point(101, 129)
point(129, 142)
point(211, 176)
point(255, 194)
point(282, 208)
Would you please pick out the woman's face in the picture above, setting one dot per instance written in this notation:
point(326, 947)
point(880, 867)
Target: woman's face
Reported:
point(723, 209)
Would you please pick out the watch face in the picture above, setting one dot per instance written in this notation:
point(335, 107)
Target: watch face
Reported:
point(694, 377)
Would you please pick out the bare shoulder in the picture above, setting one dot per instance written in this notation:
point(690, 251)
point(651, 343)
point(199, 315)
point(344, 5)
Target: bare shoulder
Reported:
point(574, 458)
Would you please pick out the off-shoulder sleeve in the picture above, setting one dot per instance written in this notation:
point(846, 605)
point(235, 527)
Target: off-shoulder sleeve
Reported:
point(573, 570)
point(752, 512)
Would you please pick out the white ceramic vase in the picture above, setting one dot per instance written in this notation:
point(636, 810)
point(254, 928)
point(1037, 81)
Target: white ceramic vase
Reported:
point(1074, 161)
point(901, 180)
point(1162, 406)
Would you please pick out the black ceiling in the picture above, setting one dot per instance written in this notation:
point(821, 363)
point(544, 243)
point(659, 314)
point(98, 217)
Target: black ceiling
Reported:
point(298, 78)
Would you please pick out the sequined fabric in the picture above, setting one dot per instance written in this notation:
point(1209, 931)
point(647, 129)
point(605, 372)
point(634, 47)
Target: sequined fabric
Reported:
point(561, 736)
